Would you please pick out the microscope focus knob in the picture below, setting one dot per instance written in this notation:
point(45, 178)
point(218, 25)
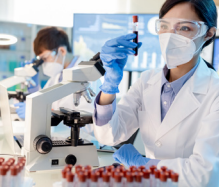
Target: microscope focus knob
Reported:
point(42, 144)
point(71, 159)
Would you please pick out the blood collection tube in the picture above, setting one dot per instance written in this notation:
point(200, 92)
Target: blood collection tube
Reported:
point(133, 168)
point(163, 180)
point(157, 178)
point(109, 168)
point(3, 176)
point(141, 168)
point(1, 161)
point(94, 179)
point(175, 178)
point(152, 177)
point(106, 179)
point(88, 174)
point(64, 172)
point(88, 167)
point(135, 30)
point(138, 179)
point(168, 174)
point(100, 180)
point(117, 179)
point(163, 168)
point(146, 178)
point(69, 179)
point(14, 176)
point(82, 179)
point(129, 179)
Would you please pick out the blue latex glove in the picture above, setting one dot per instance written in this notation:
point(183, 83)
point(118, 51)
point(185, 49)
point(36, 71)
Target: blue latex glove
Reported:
point(21, 110)
point(114, 55)
point(129, 156)
point(35, 78)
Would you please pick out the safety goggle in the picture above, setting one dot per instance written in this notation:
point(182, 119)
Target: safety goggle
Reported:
point(187, 28)
point(50, 56)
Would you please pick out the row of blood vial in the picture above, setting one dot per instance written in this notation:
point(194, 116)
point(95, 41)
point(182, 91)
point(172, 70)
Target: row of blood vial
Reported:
point(118, 177)
point(11, 172)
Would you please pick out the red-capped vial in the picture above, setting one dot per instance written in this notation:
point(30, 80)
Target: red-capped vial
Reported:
point(157, 177)
point(138, 179)
point(14, 176)
point(163, 168)
point(82, 177)
point(64, 172)
point(3, 176)
point(163, 179)
point(1, 161)
point(12, 160)
point(135, 30)
point(69, 179)
point(175, 179)
point(118, 179)
point(141, 168)
point(146, 177)
point(109, 168)
point(68, 166)
point(88, 174)
point(88, 167)
point(106, 179)
point(133, 168)
point(94, 179)
point(129, 179)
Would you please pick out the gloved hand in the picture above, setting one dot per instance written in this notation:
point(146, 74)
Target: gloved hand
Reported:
point(129, 156)
point(114, 55)
point(21, 110)
point(35, 78)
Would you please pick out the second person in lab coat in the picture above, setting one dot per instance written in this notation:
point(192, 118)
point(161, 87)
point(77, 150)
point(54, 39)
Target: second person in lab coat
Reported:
point(52, 46)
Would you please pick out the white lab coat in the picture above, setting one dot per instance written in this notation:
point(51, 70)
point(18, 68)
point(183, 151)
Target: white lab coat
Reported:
point(187, 140)
point(67, 101)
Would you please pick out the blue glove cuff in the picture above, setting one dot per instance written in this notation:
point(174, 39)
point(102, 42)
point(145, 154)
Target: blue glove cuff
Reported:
point(109, 88)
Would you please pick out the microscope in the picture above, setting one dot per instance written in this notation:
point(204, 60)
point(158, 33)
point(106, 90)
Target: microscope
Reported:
point(21, 76)
point(41, 152)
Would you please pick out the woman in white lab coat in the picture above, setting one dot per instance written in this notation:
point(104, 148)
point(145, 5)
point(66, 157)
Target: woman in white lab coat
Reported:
point(52, 46)
point(177, 107)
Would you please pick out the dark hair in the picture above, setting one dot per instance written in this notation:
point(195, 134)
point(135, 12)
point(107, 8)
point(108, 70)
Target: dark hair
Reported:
point(50, 38)
point(205, 9)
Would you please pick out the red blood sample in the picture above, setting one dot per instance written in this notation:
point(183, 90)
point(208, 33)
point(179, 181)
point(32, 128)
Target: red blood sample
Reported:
point(135, 30)
point(106, 177)
point(146, 174)
point(14, 170)
point(118, 177)
point(175, 177)
point(163, 168)
point(109, 168)
point(129, 177)
point(94, 176)
point(70, 177)
point(88, 167)
point(138, 177)
point(157, 174)
point(82, 177)
point(132, 168)
point(163, 177)
point(141, 168)
point(4, 170)
point(152, 168)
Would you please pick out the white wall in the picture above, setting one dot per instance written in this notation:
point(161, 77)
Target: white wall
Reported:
point(60, 12)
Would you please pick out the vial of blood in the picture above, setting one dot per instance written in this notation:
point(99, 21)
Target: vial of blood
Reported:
point(135, 30)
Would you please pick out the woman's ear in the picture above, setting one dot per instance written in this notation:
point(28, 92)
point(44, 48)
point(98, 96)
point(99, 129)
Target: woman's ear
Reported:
point(212, 31)
point(63, 50)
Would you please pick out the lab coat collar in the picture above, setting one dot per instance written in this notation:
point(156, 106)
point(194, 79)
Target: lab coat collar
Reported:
point(183, 105)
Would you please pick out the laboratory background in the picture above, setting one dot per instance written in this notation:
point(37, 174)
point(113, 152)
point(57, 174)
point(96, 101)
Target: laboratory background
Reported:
point(88, 25)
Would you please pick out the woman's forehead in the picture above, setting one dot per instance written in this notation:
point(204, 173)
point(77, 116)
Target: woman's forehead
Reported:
point(183, 11)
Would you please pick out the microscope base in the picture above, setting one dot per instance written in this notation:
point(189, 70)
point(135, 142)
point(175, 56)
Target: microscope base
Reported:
point(55, 159)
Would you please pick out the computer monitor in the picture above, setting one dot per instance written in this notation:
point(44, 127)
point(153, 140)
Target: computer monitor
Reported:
point(215, 59)
point(91, 31)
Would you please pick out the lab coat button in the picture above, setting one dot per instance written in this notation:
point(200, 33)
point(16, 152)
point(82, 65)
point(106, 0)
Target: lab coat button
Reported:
point(158, 144)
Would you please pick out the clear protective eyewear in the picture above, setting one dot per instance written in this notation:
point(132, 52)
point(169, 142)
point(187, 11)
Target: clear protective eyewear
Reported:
point(50, 56)
point(187, 28)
